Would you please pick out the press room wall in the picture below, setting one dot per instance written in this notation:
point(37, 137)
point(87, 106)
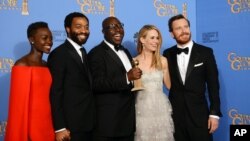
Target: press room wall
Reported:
point(221, 25)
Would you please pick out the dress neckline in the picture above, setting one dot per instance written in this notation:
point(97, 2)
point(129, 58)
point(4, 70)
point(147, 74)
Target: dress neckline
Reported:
point(40, 67)
point(149, 72)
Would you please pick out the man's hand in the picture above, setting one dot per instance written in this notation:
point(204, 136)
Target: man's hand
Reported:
point(134, 74)
point(213, 124)
point(63, 135)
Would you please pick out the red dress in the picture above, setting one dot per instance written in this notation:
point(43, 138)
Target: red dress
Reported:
point(29, 116)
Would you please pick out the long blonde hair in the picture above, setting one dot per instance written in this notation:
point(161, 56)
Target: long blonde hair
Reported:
point(156, 58)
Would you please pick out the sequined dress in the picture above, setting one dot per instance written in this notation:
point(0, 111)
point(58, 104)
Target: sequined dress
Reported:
point(153, 110)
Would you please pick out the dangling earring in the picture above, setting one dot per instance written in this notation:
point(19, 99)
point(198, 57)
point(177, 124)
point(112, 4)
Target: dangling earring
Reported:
point(32, 43)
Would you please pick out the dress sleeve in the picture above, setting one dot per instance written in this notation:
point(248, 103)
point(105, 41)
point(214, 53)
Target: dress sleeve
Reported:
point(17, 125)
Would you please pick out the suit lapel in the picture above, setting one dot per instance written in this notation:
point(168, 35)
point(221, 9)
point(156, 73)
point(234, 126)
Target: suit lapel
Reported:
point(77, 58)
point(193, 57)
point(177, 70)
point(129, 56)
point(73, 53)
point(113, 55)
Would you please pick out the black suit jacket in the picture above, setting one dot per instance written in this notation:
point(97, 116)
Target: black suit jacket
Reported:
point(71, 95)
point(189, 100)
point(113, 97)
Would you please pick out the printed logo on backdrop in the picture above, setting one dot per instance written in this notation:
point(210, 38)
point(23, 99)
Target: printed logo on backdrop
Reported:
point(15, 5)
point(238, 6)
point(59, 35)
point(239, 62)
point(164, 9)
point(6, 64)
point(100, 7)
point(238, 118)
point(3, 125)
point(210, 37)
point(136, 37)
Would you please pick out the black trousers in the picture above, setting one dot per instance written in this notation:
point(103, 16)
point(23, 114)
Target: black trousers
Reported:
point(187, 131)
point(126, 138)
point(81, 136)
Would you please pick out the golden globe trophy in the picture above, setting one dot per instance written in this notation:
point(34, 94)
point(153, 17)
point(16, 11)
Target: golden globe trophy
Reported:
point(137, 83)
point(25, 7)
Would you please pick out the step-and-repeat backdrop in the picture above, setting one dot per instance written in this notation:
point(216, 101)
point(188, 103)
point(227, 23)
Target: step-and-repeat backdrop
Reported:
point(224, 25)
point(220, 25)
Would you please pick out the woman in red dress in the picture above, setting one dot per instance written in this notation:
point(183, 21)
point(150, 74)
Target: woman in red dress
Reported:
point(29, 117)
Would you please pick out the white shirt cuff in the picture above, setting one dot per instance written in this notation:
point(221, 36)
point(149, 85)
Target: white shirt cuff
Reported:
point(214, 116)
point(127, 79)
point(60, 130)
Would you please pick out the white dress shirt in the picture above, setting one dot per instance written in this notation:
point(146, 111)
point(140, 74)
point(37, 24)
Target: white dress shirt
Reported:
point(183, 59)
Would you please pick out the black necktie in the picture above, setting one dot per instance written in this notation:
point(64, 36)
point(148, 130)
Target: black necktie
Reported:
point(118, 47)
point(180, 50)
point(83, 51)
point(85, 62)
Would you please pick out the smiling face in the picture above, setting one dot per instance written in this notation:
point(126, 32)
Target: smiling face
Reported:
point(181, 31)
point(150, 41)
point(42, 40)
point(79, 30)
point(113, 31)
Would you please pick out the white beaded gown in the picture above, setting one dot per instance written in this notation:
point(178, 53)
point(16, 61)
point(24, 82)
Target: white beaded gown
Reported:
point(153, 110)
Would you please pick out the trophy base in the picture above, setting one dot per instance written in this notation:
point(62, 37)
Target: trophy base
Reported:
point(137, 89)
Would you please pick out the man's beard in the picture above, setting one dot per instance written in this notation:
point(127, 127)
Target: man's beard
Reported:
point(183, 41)
point(75, 38)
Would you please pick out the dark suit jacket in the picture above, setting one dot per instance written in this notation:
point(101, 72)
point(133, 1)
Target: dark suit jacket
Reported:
point(189, 100)
point(114, 100)
point(71, 93)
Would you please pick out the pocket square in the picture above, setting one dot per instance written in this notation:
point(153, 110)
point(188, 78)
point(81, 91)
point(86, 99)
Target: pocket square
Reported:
point(197, 65)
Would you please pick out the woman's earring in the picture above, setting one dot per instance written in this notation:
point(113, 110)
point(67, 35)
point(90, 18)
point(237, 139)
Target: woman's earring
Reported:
point(32, 43)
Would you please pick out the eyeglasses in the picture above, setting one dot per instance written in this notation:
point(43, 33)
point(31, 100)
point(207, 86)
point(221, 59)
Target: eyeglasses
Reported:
point(115, 26)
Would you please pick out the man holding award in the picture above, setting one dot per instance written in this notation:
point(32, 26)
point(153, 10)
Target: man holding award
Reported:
point(112, 73)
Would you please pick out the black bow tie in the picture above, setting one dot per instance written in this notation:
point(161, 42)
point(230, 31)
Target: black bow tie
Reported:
point(118, 47)
point(180, 50)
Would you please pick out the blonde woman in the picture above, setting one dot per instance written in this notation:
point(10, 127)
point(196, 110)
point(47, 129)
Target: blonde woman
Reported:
point(153, 109)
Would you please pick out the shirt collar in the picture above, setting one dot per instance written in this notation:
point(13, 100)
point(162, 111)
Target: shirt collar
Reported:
point(110, 45)
point(75, 45)
point(189, 45)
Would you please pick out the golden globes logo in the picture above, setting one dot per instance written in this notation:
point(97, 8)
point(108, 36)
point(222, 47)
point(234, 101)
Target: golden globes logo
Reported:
point(14, 5)
point(163, 9)
point(3, 125)
point(238, 62)
point(238, 6)
point(6, 64)
point(237, 118)
point(96, 7)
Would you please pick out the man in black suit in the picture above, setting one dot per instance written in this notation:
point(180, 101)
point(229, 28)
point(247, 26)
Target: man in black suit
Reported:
point(112, 74)
point(71, 95)
point(193, 70)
